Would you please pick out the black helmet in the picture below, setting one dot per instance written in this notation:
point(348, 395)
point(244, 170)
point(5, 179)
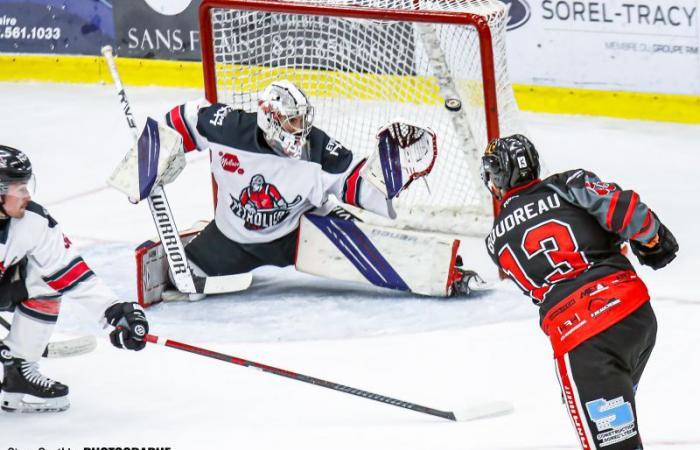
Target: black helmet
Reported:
point(509, 162)
point(14, 166)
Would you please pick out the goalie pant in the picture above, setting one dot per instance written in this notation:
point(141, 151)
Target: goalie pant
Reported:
point(38, 268)
point(261, 195)
point(559, 240)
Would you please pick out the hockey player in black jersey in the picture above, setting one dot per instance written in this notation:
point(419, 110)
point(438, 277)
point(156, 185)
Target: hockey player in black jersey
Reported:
point(38, 268)
point(559, 239)
point(271, 168)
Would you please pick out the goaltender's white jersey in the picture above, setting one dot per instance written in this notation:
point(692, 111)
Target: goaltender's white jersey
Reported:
point(54, 269)
point(262, 195)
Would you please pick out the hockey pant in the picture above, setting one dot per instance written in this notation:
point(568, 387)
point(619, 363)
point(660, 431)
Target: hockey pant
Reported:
point(215, 254)
point(599, 379)
point(34, 318)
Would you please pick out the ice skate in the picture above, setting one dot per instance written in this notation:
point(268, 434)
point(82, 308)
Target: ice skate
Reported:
point(25, 389)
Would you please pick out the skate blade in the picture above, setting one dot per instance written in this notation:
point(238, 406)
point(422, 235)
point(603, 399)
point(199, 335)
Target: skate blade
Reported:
point(25, 403)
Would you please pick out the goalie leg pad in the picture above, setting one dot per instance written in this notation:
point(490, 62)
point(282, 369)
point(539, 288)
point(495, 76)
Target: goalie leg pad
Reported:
point(397, 259)
point(152, 277)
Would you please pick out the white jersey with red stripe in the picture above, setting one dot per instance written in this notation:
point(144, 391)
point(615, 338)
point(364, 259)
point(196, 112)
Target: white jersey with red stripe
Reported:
point(262, 195)
point(54, 269)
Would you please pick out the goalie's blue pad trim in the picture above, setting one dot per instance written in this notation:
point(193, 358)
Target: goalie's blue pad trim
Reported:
point(149, 153)
point(360, 251)
point(390, 157)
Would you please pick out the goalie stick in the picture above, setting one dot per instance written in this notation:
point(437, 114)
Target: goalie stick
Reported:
point(474, 412)
point(184, 279)
point(62, 349)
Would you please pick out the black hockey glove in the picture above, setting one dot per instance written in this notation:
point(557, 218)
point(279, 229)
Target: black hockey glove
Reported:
point(13, 289)
point(660, 254)
point(130, 325)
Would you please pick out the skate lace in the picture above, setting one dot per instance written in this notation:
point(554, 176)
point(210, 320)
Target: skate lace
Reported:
point(32, 374)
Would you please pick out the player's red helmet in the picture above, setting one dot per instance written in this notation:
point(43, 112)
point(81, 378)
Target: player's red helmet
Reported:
point(509, 162)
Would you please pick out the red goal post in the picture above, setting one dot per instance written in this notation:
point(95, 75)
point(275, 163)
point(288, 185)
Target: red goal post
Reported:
point(242, 41)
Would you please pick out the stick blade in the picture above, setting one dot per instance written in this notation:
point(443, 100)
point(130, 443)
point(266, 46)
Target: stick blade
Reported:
point(223, 284)
point(71, 347)
point(483, 411)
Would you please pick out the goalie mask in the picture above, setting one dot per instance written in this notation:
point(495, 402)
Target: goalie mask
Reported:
point(285, 117)
point(509, 162)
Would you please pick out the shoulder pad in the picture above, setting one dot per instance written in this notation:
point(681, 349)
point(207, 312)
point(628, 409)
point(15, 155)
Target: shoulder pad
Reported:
point(221, 124)
point(329, 153)
point(41, 211)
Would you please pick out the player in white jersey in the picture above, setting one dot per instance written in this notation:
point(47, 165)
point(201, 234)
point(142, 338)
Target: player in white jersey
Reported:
point(38, 268)
point(270, 169)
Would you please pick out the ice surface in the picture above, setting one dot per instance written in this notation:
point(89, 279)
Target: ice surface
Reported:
point(439, 353)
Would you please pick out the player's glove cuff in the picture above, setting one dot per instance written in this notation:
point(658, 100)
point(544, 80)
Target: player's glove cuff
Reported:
point(660, 254)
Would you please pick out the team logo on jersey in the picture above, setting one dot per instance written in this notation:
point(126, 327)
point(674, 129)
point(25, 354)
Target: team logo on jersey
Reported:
point(600, 187)
point(230, 163)
point(261, 205)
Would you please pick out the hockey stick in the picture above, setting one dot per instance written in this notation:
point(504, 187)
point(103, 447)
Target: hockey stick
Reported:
point(184, 279)
point(480, 411)
point(61, 349)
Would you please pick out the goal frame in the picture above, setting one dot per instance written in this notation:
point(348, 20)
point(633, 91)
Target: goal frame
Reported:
point(476, 21)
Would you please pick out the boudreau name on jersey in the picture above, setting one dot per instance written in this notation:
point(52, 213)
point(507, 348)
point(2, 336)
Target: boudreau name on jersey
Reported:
point(521, 215)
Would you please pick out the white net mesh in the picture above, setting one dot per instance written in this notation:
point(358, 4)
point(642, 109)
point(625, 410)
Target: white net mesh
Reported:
point(363, 73)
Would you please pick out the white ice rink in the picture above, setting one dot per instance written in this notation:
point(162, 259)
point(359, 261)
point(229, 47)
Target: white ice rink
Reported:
point(440, 353)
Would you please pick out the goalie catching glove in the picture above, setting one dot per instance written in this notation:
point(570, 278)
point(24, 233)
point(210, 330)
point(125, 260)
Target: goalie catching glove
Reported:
point(130, 325)
point(405, 152)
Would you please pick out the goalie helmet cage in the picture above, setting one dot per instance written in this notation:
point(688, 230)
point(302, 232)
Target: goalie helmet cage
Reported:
point(439, 64)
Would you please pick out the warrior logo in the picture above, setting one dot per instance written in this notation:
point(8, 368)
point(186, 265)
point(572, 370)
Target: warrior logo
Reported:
point(261, 205)
point(600, 187)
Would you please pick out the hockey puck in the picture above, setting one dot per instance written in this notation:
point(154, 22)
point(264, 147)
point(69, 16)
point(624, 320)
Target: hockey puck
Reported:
point(453, 104)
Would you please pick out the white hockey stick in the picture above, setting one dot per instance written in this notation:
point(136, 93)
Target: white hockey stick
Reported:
point(184, 280)
point(62, 349)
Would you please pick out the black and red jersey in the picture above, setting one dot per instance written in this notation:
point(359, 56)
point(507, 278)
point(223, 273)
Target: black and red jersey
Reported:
point(555, 236)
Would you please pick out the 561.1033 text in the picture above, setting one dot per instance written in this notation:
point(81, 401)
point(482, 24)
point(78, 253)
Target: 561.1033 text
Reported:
point(30, 33)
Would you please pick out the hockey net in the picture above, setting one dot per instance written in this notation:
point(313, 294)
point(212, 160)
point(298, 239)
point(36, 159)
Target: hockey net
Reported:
point(367, 62)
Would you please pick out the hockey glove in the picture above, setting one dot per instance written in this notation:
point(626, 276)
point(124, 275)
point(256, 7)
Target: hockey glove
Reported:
point(131, 326)
point(661, 253)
